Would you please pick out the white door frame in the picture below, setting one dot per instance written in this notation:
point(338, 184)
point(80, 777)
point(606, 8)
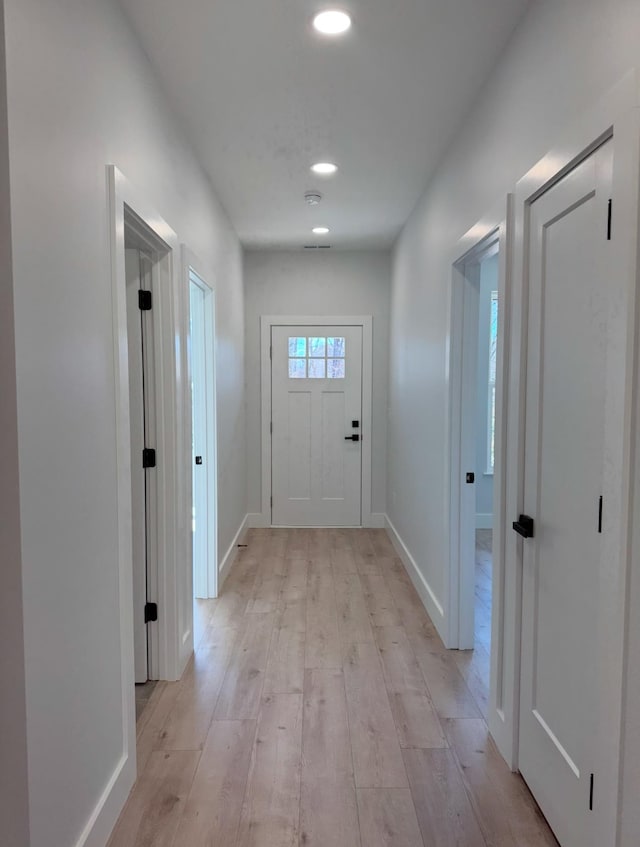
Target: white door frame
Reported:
point(191, 264)
point(366, 322)
point(615, 116)
point(174, 632)
point(494, 228)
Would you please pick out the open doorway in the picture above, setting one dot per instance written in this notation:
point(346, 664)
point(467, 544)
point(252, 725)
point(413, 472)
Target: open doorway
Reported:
point(475, 388)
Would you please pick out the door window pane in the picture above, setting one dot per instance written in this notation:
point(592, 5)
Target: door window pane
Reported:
point(335, 368)
point(317, 347)
point(336, 347)
point(297, 346)
point(317, 368)
point(297, 368)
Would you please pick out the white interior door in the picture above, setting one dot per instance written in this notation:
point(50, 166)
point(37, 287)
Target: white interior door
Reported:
point(200, 509)
point(316, 374)
point(564, 441)
point(138, 494)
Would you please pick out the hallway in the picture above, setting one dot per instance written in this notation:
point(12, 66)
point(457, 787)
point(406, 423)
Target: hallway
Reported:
point(321, 709)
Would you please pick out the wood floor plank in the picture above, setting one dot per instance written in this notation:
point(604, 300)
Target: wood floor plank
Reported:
point(271, 809)
point(414, 616)
point(242, 687)
point(285, 665)
point(265, 594)
point(298, 544)
point(323, 642)
point(341, 539)
point(202, 613)
point(328, 808)
point(382, 608)
point(388, 818)
point(506, 811)
point(343, 561)
point(153, 810)
point(148, 735)
point(189, 720)
point(377, 758)
point(211, 814)
point(353, 616)
point(294, 581)
point(445, 683)
point(442, 805)
point(474, 665)
point(415, 716)
point(236, 591)
point(381, 543)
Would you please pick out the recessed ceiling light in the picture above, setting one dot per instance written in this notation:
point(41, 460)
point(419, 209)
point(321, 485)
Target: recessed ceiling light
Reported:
point(320, 230)
point(332, 22)
point(324, 168)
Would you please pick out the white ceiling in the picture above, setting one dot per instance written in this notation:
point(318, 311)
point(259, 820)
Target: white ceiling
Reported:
point(262, 97)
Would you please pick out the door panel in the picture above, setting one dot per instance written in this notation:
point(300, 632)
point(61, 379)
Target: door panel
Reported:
point(564, 441)
point(138, 495)
point(200, 505)
point(316, 395)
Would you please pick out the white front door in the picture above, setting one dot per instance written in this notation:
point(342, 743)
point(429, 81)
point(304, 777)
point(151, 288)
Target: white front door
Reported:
point(564, 442)
point(316, 380)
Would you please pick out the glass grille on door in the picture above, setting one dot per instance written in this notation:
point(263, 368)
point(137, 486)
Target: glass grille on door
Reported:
point(317, 357)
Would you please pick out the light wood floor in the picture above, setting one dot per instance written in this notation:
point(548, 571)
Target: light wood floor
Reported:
point(321, 709)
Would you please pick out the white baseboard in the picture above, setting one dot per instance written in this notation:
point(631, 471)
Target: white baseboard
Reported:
point(376, 520)
point(232, 552)
point(431, 603)
point(107, 811)
point(256, 520)
point(484, 521)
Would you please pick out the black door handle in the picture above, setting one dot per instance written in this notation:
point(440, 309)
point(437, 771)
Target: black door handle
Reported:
point(524, 526)
point(352, 437)
point(198, 460)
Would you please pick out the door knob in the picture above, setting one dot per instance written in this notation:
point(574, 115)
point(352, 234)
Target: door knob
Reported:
point(352, 437)
point(524, 526)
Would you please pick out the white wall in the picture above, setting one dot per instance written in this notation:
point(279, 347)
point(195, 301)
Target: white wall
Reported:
point(484, 480)
point(318, 283)
point(14, 812)
point(81, 94)
point(564, 54)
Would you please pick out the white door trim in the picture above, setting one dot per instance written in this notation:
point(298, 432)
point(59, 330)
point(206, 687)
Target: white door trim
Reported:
point(615, 116)
point(366, 322)
point(171, 402)
point(190, 262)
point(494, 228)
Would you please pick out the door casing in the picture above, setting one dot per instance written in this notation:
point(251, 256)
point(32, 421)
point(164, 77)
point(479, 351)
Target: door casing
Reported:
point(366, 322)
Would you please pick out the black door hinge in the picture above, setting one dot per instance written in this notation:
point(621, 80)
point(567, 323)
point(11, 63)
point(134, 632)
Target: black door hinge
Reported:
point(609, 219)
point(148, 458)
point(144, 300)
point(150, 612)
